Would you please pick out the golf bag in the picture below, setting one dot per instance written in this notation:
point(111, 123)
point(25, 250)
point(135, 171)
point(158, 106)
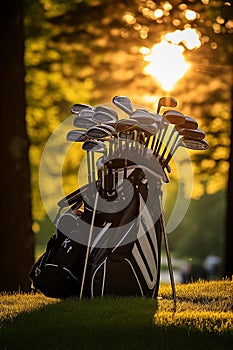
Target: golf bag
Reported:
point(125, 250)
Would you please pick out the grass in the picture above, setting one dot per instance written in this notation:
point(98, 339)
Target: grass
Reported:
point(203, 320)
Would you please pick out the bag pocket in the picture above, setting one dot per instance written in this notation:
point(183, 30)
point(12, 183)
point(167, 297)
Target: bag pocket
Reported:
point(116, 276)
point(58, 272)
point(56, 282)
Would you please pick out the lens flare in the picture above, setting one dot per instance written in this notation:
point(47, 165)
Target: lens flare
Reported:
point(166, 60)
point(167, 64)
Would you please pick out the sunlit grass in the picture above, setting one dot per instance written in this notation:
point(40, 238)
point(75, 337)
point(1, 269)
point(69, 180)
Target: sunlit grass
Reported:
point(204, 306)
point(204, 319)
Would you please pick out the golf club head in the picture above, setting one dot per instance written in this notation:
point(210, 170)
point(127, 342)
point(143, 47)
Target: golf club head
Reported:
point(85, 123)
point(196, 134)
point(193, 144)
point(125, 124)
point(76, 136)
point(77, 107)
point(87, 113)
point(145, 119)
point(148, 129)
point(98, 133)
point(190, 123)
point(95, 146)
point(103, 117)
point(107, 110)
point(174, 117)
point(166, 101)
point(109, 128)
point(140, 112)
point(123, 103)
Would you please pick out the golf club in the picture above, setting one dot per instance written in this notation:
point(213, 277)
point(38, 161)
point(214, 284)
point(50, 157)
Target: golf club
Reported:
point(86, 113)
point(107, 110)
point(123, 103)
point(126, 126)
point(83, 123)
point(194, 144)
point(144, 119)
point(103, 117)
point(188, 124)
point(77, 107)
point(113, 132)
point(76, 136)
point(98, 147)
point(100, 134)
point(166, 101)
point(172, 117)
point(196, 134)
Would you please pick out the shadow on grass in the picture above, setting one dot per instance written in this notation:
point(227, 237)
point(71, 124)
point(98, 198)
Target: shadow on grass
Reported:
point(109, 323)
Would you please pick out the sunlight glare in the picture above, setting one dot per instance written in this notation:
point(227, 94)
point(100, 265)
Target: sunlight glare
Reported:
point(167, 64)
point(189, 37)
point(166, 61)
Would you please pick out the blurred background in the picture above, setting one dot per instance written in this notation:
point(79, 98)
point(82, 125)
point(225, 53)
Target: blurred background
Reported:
point(88, 51)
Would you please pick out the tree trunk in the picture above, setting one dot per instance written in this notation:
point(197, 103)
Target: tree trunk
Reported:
point(17, 243)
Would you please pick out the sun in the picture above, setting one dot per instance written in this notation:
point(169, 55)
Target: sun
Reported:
point(166, 60)
point(167, 64)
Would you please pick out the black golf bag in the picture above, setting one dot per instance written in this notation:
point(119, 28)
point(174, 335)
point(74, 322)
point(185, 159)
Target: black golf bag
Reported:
point(125, 248)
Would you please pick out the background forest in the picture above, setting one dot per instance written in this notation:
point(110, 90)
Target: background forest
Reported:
point(88, 51)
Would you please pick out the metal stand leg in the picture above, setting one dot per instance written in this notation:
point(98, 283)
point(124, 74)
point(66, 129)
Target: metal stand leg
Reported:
point(169, 263)
point(89, 243)
point(168, 255)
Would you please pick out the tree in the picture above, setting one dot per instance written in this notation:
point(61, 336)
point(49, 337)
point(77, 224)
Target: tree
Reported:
point(17, 243)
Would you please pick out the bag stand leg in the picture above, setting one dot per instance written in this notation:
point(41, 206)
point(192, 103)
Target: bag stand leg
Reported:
point(169, 263)
point(89, 243)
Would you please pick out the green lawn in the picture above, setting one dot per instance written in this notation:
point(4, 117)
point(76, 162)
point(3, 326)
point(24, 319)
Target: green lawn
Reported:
point(203, 320)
